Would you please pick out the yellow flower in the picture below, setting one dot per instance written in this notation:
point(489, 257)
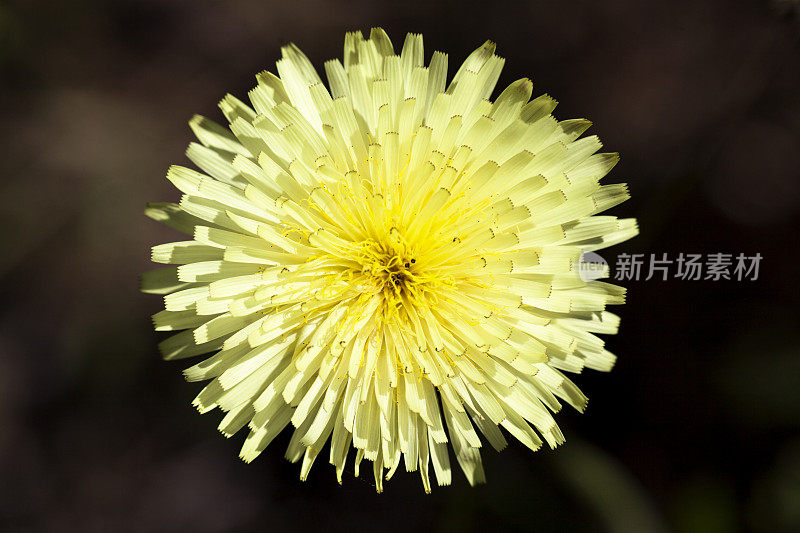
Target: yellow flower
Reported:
point(389, 262)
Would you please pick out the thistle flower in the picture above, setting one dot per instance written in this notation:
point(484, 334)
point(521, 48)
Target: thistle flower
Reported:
point(389, 262)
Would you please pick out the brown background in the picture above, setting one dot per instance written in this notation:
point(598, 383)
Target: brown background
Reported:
point(696, 429)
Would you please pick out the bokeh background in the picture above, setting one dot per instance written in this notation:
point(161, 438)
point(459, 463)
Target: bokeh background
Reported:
point(697, 429)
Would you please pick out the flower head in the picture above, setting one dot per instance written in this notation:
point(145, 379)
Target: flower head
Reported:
point(389, 262)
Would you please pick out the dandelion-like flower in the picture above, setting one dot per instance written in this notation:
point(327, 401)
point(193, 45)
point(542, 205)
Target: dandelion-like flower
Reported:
point(389, 263)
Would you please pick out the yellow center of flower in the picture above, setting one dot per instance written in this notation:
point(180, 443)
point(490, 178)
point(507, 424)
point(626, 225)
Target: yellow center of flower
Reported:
point(391, 267)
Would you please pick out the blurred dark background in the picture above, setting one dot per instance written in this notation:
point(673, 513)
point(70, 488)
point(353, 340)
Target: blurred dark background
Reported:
point(697, 428)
